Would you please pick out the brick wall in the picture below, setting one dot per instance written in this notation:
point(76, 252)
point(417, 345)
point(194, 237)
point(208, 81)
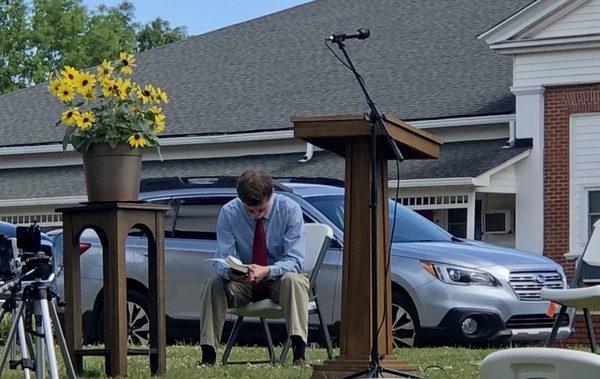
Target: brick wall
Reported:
point(559, 104)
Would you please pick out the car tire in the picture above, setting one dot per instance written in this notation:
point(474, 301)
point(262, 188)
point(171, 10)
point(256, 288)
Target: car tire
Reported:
point(138, 320)
point(405, 321)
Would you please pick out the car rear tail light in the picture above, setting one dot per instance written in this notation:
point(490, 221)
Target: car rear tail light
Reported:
point(83, 247)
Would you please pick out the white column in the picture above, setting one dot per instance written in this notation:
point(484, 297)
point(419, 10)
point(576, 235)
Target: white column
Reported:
point(529, 231)
point(471, 216)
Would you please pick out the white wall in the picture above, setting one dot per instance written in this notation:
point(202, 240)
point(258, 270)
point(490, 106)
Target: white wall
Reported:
point(584, 20)
point(584, 174)
point(556, 68)
point(529, 206)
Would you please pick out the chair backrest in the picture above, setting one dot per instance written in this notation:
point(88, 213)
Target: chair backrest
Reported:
point(318, 239)
point(591, 254)
point(540, 363)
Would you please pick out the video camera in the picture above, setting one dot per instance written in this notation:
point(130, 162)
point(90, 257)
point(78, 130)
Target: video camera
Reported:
point(22, 258)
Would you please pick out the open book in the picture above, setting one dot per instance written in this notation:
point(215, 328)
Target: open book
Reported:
point(233, 263)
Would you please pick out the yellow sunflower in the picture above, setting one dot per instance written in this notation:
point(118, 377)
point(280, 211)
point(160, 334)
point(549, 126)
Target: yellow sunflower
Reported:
point(122, 87)
point(158, 126)
point(108, 86)
point(90, 95)
point(126, 61)
point(146, 94)
point(54, 85)
point(69, 73)
point(85, 120)
point(137, 141)
point(105, 69)
point(160, 96)
point(69, 117)
point(65, 92)
point(84, 83)
point(156, 110)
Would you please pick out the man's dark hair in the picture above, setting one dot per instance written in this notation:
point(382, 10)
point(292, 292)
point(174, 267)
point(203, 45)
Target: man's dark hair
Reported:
point(254, 187)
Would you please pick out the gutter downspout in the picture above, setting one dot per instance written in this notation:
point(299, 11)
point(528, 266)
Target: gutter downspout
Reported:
point(310, 149)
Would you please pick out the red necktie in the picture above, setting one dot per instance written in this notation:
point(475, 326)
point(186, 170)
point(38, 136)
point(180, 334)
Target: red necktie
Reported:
point(260, 290)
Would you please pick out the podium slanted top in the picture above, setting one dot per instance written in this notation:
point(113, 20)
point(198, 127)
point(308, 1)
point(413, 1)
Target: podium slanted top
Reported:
point(330, 133)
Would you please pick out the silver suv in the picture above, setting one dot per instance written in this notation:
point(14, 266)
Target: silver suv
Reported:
point(445, 289)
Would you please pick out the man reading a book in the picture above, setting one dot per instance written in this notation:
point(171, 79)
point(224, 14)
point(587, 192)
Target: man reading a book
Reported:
point(266, 231)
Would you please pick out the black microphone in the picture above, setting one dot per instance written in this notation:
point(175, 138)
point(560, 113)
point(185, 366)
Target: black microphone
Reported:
point(363, 33)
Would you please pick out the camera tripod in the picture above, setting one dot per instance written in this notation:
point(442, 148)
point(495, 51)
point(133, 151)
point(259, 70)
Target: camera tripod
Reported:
point(36, 296)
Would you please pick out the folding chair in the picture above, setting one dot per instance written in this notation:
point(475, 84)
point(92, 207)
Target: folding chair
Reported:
point(586, 297)
point(539, 363)
point(318, 239)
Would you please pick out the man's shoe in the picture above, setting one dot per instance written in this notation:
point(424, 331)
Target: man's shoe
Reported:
point(209, 356)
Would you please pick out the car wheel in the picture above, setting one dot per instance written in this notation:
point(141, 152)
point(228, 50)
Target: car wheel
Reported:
point(405, 321)
point(138, 320)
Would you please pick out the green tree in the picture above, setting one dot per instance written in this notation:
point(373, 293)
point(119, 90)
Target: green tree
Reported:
point(109, 31)
point(57, 31)
point(158, 33)
point(41, 36)
point(13, 45)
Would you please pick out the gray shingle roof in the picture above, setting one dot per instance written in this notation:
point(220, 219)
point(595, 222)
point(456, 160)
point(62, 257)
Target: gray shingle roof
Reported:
point(422, 61)
point(458, 159)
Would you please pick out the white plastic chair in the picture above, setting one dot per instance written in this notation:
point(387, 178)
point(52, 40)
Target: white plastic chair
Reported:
point(585, 297)
point(540, 363)
point(318, 239)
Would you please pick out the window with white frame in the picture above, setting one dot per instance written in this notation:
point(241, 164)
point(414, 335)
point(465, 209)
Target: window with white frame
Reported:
point(593, 208)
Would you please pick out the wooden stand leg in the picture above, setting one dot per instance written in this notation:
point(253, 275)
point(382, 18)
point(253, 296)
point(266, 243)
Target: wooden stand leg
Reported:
point(115, 303)
point(72, 283)
point(158, 360)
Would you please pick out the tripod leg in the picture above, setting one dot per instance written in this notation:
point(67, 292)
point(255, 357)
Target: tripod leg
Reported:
point(11, 335)
point(23, 347)
point(49, 338)
point(40, 355)
point(12, 345)
point(61, 341)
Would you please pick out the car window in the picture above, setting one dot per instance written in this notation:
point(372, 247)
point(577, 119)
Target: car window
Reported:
point(197, 217)
point(410, 226)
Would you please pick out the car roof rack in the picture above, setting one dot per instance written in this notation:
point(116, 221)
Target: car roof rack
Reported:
point(179, 182)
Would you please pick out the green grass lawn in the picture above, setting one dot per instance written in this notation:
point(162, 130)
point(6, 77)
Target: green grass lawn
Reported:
point(441, 362)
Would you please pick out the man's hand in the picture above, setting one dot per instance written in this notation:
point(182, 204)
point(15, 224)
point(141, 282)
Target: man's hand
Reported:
point(245, 278)
point(258, 273)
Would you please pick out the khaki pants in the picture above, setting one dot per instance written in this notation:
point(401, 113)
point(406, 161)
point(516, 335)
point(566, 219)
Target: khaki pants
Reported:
point(290, 291)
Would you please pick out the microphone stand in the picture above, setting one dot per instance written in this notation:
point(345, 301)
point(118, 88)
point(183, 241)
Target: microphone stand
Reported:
point(377, 127)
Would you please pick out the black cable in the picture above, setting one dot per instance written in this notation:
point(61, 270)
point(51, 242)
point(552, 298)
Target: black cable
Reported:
point(337, 57)
point(398, 159)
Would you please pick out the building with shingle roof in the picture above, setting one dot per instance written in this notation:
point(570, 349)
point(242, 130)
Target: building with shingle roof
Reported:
point(232, 92)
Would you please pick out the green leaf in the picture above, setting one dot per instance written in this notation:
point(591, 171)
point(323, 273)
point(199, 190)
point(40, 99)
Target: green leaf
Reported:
point(67, 138)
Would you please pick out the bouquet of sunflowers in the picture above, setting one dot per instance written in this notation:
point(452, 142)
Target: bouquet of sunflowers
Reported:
point(108, 107)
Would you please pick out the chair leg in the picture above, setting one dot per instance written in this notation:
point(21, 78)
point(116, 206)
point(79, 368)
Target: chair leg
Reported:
point(269, 340)
point(232, 338)
point(554, 332)
point(324, 329)
point(590, 329)
point(284, 351)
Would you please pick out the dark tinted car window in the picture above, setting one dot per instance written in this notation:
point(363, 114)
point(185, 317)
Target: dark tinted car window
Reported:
point(197, 218)
point(410, 226)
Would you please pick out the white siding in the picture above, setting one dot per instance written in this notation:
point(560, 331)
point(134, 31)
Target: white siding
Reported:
point(584, 20)
point(557, 68)
point(584, 161)
point(504, 181)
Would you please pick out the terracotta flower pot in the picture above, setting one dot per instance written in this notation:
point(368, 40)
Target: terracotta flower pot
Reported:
point(112, 174)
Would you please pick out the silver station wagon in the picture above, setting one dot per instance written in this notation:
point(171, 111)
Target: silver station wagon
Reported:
point(445, 289)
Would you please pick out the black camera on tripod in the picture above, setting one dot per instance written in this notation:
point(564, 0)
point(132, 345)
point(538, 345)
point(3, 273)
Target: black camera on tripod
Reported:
point(22, 257)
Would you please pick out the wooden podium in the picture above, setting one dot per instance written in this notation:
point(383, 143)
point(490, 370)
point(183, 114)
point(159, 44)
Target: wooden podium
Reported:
point(349, 136)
